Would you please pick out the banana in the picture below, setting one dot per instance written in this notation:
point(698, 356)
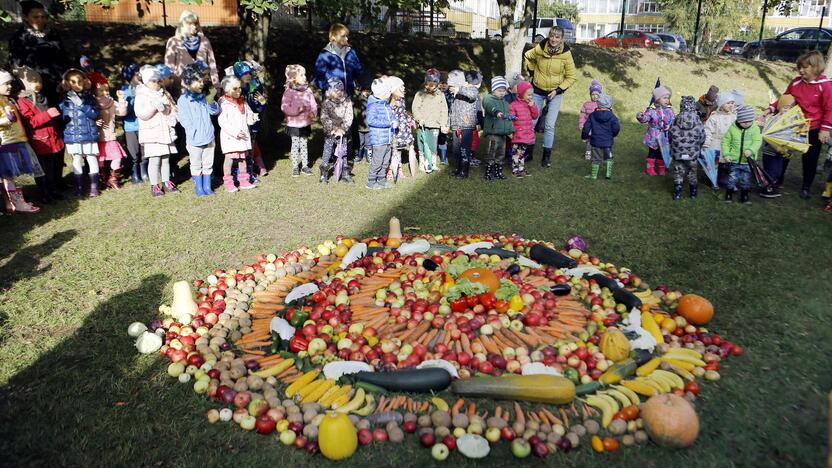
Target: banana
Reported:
point(640, 387)
point(353, 404)
point(327, 401)
point(660, 385)
point(684, 373)
point(340, 401)
point(603, 406)
point(643, 294)
point(369, 406)
point(319, 391)
point(648, 367)
point(439, 403)
point(675, 379)
point(302, 382)
point(613, 404)
point(688, 366)
point(687, 358)
point(276, 369)
point(684, 352)
point(303, 392)
point(623, 399)
point(667, 382)
point(634, 399)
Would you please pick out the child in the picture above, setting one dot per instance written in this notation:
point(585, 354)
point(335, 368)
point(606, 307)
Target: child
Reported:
point(195, 112)
point(167, 76)
point(463, 121)
point(404, 137)
point(718, 124)
point(131, 77)
point(382, 123)
point(658, 120)
point(80, 113)
point(361, 131)
point(235, 140)
point(742, 142)
point(473, 79)
point(497, 126)
point(41, 126)
point(512, 93)
point(707, 103)
point(600, 129)
point(525, 111)
point(442, 141)
point(430, 109)
point(686, 135)
point(300, 108)
point(774, 163)
point(109, 148)
point(336, 118)
point(595, 90)
point(157, 118)
point(255, 96)
point(16, 156)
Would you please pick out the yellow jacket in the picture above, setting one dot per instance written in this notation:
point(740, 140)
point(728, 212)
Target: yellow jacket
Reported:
point(550, 71)
point(10, 131)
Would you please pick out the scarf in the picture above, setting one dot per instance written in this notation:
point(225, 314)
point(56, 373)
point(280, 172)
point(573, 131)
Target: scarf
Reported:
point(198, 97)
point(552, 51)
point(192, 44)
point(240, 103)
point(38, 34)
point(339, 51)
point(75, 98)
point(296, 86)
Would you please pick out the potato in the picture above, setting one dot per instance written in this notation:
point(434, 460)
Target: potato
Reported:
point(592, 426)
point(240, 386)
point(617, 427)
point(628, 440)
point(295, 417)
point(424, 421)
point(390, 426)
point(494, 421)
point(440, 418)
point(275, 403)
point(310, 431)
point(460, 420)
point(410, 417)
point(641, 437)
point(396, 435)
point(254, 382)
point(533, 425)
point(363, 424)
point(441, 431)
point(574, 439)
point(519, 428)
point(310, 406)
point(553, 438)
point(309, 415)
point(579, 429)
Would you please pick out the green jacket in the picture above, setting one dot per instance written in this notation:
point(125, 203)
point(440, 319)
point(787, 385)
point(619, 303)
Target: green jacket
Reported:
point(739, 139)
point(550, 71)
point(494, 125)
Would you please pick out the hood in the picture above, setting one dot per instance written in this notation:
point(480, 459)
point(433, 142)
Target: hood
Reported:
point(542, 46)
point(602, 115)
point(375, 101)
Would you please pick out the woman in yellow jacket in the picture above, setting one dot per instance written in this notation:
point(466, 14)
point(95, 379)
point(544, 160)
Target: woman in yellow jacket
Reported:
point(552, 72)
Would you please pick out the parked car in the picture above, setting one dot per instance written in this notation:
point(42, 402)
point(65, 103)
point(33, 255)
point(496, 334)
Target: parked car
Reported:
point(658, 43)
point(632, 39)
point(731, 47)
point(545, 24)
point(671, 41)
point(791, 44)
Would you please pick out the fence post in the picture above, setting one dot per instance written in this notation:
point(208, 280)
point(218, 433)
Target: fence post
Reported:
point(696, 28)
point(164, 14)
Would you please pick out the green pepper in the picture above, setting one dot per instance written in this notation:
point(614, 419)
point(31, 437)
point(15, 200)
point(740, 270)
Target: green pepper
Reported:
point(299, 318)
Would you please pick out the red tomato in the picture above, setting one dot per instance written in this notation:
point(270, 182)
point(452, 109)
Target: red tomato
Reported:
point(713, 365)
point(459, 305)
point(501, 306)
point(737, 350)
point(692, 387)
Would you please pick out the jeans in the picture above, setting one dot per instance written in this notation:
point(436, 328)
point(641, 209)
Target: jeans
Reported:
point(378, 164)
point(496, 150)
point(810, 159)
point(740, 177)
point(774, 165)
point(552, 109)
point(463, 138)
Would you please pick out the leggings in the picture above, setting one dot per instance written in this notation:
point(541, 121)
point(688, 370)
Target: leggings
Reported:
point(300, 153)
point(202, 159)
point(133, 146)
point(158, 167)
point(810, 159)
point(78, 163)
point(463, 137)
point(47, 162)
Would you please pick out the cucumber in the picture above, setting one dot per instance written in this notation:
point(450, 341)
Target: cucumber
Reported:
point(368, 387)
point(410, 380)
point(622, 296)
point(502, 253)
point(604, 281)
point(542, 254)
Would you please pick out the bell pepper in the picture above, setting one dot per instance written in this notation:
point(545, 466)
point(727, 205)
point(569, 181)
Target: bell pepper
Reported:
point(501, 306)
point(289, 313)
point(298, 318)
point(297, 344)
point(459, 305)
point(448, 284)
point(488, 300)
point(516, 303)
point(472, 300)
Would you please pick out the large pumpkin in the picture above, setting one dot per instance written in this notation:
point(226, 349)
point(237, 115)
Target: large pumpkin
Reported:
point(670, 421)
point(615, 345)
point(483, 276)
point(695, 309)
point(337, 437)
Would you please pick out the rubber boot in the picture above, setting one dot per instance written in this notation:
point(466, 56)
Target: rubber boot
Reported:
point(827, 191)
point(19, 204)
point(744, 197)
point(197, 180)
point(244, 179)
point(608, 175)
point(529, 154)
point(662, 168)
point(547, 157)
point(79, 184)
point(145, 177)
point(694, 190)
point(498, 172)
point(205, 181)
point(93, 186)
point(136, 178)
point(651, 164)
point(677, 192)
point(593, 172)
point(489, 172)
point(324, 173)
point(112, 180)
point(43, 190)
point(729, 196)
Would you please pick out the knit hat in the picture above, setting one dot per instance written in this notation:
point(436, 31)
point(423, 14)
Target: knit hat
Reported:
point(242, 68)
point(5, 77)
point(29, 77)
point(739, 97)
point(202, 65)
point(97, 79)
point(473, 77)
point(498, 82)
point(129, 70)
point(334, 84)
point(456, 78)
point(605, 100)
point(383, 87)
point(294, 72)
point(711, 95)
point(724, 97)
point(432, 75)
point(522, 87)
point(443, 77)
point(514, 79)
point(687, 104)
point(595, 88)
point(164, 71)
point(661, 92)
point(86, 63)
point(745, 114)
point(191, 74)
point(149, 73)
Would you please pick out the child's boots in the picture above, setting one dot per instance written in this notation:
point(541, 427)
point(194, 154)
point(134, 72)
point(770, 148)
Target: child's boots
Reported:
point(608, 175)
point(662, 168)
point(205, 180)
point(651, 164)
point(198, 190)
point(112, 180)
point(694, 190)
point(498, 172)
point(93, 186)
point(136, 177)
point(324, 173)
point(677, 192)
point(244, 178)
point(547, 158)
point(827, 191)
point(593, 174)
point(729, 196)
point(744, 197)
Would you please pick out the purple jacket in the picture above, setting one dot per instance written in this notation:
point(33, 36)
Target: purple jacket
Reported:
point(658, 122)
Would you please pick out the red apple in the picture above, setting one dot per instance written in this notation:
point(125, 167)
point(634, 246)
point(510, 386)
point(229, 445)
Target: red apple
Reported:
point(427, 439)
point(265, 425)
point(379, 434)
point(365, 436)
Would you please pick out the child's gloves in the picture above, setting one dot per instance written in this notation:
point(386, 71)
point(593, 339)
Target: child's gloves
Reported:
point(53, 112)
point(511, 117)
point(639, 115)
point(159, 104)
point(212, 95)
point(747, 153)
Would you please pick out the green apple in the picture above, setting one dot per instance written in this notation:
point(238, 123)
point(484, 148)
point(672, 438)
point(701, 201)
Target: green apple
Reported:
point(520, 448)
point(459, 432)
point(492, 434)
point(175, 369)
point(248, 422)
point(439, 451)
point(288, 437)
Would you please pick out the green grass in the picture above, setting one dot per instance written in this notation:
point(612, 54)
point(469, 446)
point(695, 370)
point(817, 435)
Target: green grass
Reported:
point(73, 278)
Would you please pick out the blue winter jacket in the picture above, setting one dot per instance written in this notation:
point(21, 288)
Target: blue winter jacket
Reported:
point(79, 120)
point(248, 93)
point(330, 65)
point(131, 122)
point(381, 120)
point(601, 128)
point(195, 116)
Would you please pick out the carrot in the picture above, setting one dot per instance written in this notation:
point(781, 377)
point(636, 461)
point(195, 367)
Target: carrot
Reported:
point(409, 405)
point(533, 416)
point(489, 345)
point(498, 411)
point(425, 407)
point(543, 417)
point(466, 344)
point(254, 351)
point(455, 408)
point(575, 411)
point(519, 416)
point(552, 418)
point(472, 409)
point(381, 401)
point(506, 416)
point(565, 417)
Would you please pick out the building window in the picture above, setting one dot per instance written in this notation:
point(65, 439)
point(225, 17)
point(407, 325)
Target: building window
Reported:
point(590, 31)
point(648, 28)
point(647, 6)
point(814, 8)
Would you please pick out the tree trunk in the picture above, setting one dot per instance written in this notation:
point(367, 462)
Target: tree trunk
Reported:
point(255, 31)
point(826, 72)
point(514, 40)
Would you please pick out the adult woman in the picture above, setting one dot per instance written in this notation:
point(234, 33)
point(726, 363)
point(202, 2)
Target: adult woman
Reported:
point(188, 45)
point(338, 60)
point(552, 69)
point(37, 46)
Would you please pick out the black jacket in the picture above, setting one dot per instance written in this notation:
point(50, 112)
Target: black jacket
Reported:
point(45, 55)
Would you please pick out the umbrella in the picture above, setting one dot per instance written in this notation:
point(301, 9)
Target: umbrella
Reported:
point(707, 159)
point(762, 179)
point(427, 157)
point(664, 145)
point(788, 132)
point(340, 157)
point(652, 99)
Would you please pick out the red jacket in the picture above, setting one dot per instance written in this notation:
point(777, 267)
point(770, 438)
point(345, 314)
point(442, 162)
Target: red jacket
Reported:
point(44, 137)
point(814, 99)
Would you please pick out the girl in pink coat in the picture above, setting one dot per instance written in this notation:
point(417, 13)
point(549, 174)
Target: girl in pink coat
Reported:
point(300, 109)
point(587, 108)
point(235, 138)
point(157, 118)
point(525, 112)
point(109, 149)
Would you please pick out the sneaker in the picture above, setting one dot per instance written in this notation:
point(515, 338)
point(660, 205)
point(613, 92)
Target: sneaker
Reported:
point(372, 186)
point(518, 174)
point(527, 173)
point(156, 191)
point(295, 172)
point(306, 171)
point(170, 187)
point(804, 194)
point(770, 193)
point(384, 185)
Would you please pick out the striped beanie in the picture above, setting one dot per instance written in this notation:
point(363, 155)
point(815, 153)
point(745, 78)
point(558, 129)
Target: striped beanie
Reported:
point(498, 82)
point(595, 87)
point(745, 114)
point(432, 75)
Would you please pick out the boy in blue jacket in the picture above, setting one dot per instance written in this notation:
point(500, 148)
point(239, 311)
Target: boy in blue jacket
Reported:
point(195, 112)
point(382, 122)
point(600, 129)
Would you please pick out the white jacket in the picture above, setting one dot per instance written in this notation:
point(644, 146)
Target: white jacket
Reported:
point(233, 124)
point(716, 127)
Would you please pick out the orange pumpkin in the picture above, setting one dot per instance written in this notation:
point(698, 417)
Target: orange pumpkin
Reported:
point(670, 421)
point(695, 309)
point(483, 276)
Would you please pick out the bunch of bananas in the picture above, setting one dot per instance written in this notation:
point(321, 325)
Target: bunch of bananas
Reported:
point(646, 296)
point(308, 388)
point(611, 401)
point(676, 365)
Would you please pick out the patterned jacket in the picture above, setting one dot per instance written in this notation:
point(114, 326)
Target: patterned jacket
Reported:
point(336, 116)
point(658, 120)
point(687, 134)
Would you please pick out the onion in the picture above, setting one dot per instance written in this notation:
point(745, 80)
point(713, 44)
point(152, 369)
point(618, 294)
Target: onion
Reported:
point(251, 364)
point(156, 324)
point(148, 343)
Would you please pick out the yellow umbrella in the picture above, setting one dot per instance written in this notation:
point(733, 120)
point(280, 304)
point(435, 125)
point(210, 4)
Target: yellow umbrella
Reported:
point(788, 132)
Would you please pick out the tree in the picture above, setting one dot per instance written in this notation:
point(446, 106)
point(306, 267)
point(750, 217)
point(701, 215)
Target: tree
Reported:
point(559, 9)
point(720, 19)
point(514, 35)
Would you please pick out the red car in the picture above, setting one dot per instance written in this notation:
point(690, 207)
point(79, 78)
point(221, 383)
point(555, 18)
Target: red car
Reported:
point(632, 40)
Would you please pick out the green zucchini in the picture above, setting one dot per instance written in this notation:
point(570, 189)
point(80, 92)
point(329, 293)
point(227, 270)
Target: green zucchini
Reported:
point(588, 388)
point(502, 253)
point(539, 388)
point(410, 380)
point(368, 387)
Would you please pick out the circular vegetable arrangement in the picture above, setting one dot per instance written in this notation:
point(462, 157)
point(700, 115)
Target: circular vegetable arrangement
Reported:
point(463, 341)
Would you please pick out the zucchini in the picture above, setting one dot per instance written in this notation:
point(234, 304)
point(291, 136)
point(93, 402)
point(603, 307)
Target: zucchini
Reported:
point(442, 248)
point(619, 371)
point(411, 380)
point(542, 254)
point(586, 389)
point(538, 388)
point(623, 296)
point(502, 253)
point(604, 281)
point(368, 387)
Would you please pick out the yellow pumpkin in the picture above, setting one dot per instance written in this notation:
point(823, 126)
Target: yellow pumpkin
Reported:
point(337, 437)
point(615, 345)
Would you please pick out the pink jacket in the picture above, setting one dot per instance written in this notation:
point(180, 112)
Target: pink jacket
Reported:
point(233, 124)
point(177, 57)
point(293, 101)
point(814, 99)
point(109, 109)
point(523, 127)
point(155, 126)
point(586, 109)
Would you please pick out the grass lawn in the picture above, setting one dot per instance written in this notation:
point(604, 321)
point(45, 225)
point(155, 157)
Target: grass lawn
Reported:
point(75, 392)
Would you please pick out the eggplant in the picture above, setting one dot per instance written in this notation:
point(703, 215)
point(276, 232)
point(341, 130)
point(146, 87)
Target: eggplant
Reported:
point(542, 254)
point(604, 281)
point(630, 300)
point(513, 269)
point(561, 289)
point(641, 356)
point(432, 379)
point(372, 250)
point(429, 265)
point(502, 253)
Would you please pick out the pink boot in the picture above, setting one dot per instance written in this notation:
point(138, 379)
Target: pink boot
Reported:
point(662, 168)
point(228, 183)
point(651, 163)
point(244, 179)
point(19, 204)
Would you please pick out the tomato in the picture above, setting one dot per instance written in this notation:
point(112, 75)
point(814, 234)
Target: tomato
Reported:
point(488, 300)
point(713, 365)
point(472, 301)
point(610, 444)
point(620, 415)
point(501, 306)
point(678, 392)
point(459, 305)
point(736, 350)
point(692, 387)
point(631, 413)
